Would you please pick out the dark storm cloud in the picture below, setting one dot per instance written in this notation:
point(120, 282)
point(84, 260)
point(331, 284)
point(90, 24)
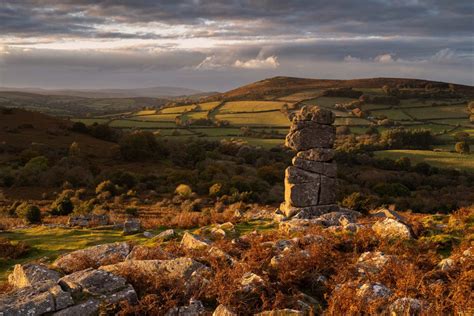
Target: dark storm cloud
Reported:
point(378, 17)
point(236, 41)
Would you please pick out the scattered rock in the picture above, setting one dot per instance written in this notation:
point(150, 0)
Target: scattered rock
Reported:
point(141, 252)
point(387, 213)
point(88, 220)
point(373, 261)
point(132, 226)
point(42, 298)
point(30, 274)
point(372, 291)
point(148, 235)
point(390, 228)
point(93, 256)
point(191, 241)
point(250, 282)
point(406, 306)
point(222, 310)
point(195, 308)
point(446, 264)
point(283, 312)
point(166, 235)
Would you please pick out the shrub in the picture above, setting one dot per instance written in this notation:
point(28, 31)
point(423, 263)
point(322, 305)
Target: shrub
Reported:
point(105, 186)
point(131, 211)
point(31, 214)
point(391, 189)
point(462, 147)
point(357, 202)
point(184, 190)
point(216, 190)
point(140, 145)
point(63, 205)
point(10, 250)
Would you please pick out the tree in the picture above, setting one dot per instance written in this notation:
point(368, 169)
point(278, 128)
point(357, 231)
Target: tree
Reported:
point(75, 150)
point(462, 148)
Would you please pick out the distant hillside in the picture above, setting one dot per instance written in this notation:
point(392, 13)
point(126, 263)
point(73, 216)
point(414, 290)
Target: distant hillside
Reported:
point(279, 86)
point(64, 105)
point(152, 92)
point(21, 129)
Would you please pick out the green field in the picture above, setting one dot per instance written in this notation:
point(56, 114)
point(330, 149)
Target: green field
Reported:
point(450, 111)
point(140, 124)
point(145, 112)
point(351, 121)
point(437, 159)
point(392, 114)
point(250, 106)
point(52, 242)
point(156, 117)
point(275, 118)
point(217, 131)
point(328, 102)
point(195, 115)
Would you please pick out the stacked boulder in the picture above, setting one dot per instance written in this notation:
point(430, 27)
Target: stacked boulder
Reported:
point(310, 183)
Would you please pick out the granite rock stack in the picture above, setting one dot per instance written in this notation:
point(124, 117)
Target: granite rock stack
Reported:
point(310, 183)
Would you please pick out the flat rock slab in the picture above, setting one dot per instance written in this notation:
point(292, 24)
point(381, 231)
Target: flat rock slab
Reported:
point(191, 241)
point(328, 169)
point(327, 194)
point(35, 300)
point(302, 194)
point(93, 282)
point(308, 211)
point(317, 154)
point(297, 175)
point(96, 256)
point(179, 268)
point(307, 135)
point(24, 275)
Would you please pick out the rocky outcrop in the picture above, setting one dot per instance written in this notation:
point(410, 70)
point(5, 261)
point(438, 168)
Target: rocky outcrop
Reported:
point(132, 226)
point(80, 293)
point(194, 242)
point(93, 257)
point(88, 220)
point(30, 274)
point(310, 184)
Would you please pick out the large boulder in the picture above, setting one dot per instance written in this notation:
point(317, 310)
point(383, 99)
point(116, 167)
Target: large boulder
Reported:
point(327, 195)
point(302, 194)
point(314, 114)
point(298, 175)
point(42, 298)
point(328, 169)
point(88, 220)
point(24, 275)
point(390, 228)
point(165, 235)
point(93, 257)
point(305, 135)
point(195, 308)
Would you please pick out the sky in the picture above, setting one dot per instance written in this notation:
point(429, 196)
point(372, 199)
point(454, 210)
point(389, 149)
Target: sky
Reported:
point(219, 45)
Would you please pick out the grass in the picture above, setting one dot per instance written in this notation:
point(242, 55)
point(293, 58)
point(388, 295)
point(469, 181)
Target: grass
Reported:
point(449, 111)
point(141, 124)
point(275, 118)
point(207, 106)
point(328, 102)
point(195, 115)
point(407, 103)
point(178, 109)
point(145, 112)
point(156, 117)
point(351, 121)
point(51, 242)
point(392, 114)
point(250, 106)
point(90, 121)
point(216, 131)
point(437, 159)
point(299, 96)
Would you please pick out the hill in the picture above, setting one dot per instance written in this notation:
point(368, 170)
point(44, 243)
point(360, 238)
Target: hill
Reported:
point(151, 92)
point(279, 86)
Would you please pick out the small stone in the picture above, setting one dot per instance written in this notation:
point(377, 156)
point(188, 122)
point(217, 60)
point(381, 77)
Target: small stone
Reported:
point(132, 226)
point(390, 228)
point(387, 213)
point(166, 235)
point(446, 264)
point(372, 291)
point(148, 235)
point(406, 306)
point(222, 310)
point(250, 281)
point(191, 241)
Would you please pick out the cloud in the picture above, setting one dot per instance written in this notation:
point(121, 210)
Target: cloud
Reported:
point(267, 63)
point(350, 59)
point(384, 58)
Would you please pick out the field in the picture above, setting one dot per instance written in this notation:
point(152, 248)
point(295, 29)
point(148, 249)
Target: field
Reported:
point(250, 106)
point(207, 106)
point(275, 118)
point(437, 159)
point(328, 102)
point(450, 111)
point(391, 114)
point(178, 109)
point(156, 117)
point(141, 124)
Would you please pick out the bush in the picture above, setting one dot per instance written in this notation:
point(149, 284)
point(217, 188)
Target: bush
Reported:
point(462, 148)
point(131, 211)
point(105, 186)
point(9, 250)
point(31, 214)
point(63, 205)
point(391, 189)
point(357, 201)
point(184, 190)
point(140, 145)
